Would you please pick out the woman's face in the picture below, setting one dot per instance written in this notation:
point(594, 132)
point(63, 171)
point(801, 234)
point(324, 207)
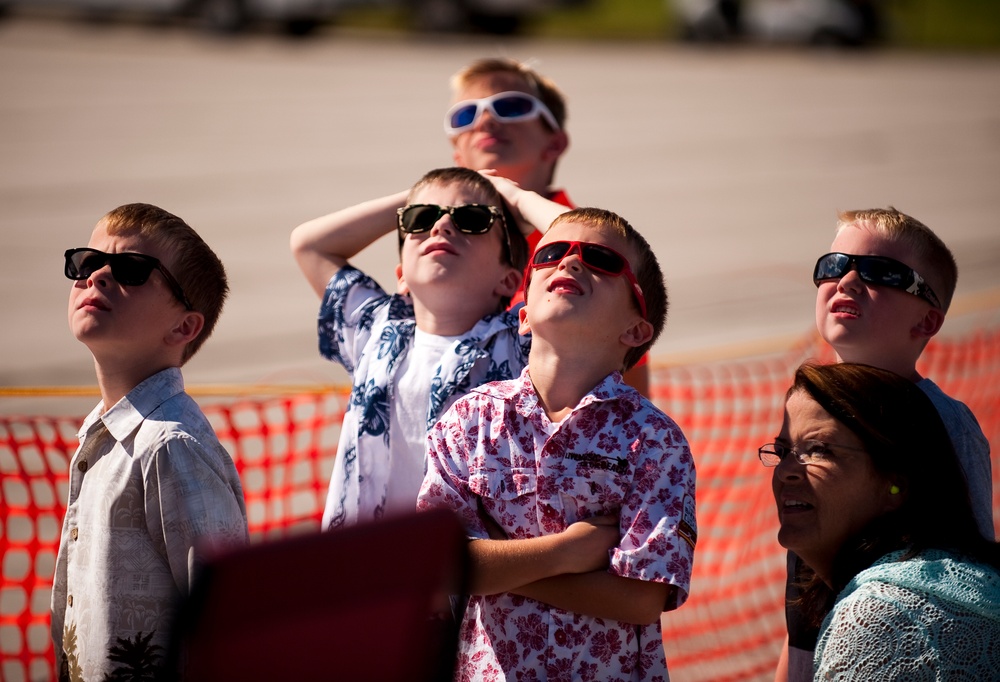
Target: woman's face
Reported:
point(825, 502)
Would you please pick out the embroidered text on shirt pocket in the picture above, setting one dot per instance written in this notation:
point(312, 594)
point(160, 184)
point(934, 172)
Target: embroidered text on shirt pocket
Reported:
point(591, 490)
point(503, 485)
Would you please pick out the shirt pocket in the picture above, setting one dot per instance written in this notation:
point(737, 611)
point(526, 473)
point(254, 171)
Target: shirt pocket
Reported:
point(503, 485)
point(587, 490)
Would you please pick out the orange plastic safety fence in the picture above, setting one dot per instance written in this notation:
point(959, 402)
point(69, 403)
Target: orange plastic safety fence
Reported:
point(730, 628)
point(733, 625)
point(283, 449)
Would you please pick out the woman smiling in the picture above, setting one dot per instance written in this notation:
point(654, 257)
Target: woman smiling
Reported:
point(871, 497)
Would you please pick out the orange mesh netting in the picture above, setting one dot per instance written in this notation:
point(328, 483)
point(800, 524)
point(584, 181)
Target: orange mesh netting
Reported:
point(283, 449)
point(733, 624)
point(730, 628)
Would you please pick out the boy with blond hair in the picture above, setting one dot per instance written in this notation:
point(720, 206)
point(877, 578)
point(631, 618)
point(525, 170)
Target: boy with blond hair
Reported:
point(882, 293)
point(151, 490)
point(412, 353)
point(509, 118)
point(577, 491)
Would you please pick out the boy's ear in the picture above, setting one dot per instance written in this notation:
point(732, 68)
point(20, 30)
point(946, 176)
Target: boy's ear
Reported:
point(556, 147)
point(509, 283)
point(401, 287)
point(524, 328)
point(187, 329)
point(929, 325)
point(637, 333)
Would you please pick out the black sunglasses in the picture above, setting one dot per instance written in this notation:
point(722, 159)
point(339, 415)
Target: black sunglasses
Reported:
point(597, 257)
point(879, 270)
point(128, 269)
point(468, 218)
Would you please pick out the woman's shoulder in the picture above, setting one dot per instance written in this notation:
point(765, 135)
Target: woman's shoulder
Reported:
point(948, 579)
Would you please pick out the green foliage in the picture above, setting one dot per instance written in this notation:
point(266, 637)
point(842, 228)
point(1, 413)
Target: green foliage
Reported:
point(949, 24)
point(607, 19)
point(966, 24)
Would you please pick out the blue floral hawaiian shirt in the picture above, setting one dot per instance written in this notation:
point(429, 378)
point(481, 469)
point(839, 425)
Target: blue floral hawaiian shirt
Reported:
point(369, 332)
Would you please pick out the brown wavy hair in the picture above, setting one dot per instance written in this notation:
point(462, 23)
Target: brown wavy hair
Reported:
point(907, 442)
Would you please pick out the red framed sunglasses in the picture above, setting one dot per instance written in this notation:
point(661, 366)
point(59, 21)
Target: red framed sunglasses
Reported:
point(597, 257)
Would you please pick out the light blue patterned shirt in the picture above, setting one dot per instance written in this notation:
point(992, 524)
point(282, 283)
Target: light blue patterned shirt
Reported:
point(370, 332)
point(932, 618)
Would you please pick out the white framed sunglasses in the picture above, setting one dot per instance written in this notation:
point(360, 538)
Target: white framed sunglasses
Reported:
point(507, 107)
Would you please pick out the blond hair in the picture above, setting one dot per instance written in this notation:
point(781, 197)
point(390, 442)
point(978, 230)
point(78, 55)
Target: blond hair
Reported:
point(935, 262)
point(538, 85)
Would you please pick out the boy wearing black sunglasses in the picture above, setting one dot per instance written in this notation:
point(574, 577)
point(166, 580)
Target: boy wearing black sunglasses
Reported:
point(150, 487)
point(411, 354)
point(882, 294)
point(578, 492)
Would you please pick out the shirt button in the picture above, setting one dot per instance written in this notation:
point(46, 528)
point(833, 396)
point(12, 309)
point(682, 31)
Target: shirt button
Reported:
point(75, 533)
point(69, 600)
point(82, 465)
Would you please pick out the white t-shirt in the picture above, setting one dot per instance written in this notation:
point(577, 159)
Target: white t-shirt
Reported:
point(408, 419)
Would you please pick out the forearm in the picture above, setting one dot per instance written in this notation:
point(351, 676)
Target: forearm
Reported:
point(503, 565)
point(535, 209)
point(529, 207)
point(602, 595)
point(323, 245)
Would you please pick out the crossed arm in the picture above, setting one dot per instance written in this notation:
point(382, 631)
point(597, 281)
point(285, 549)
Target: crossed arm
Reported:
point(567, 570)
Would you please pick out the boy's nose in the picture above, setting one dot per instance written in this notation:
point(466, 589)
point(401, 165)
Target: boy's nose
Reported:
point(851, 281)
point(443, 225)
point(100, 276)
point(571, 261)
point(485, 120)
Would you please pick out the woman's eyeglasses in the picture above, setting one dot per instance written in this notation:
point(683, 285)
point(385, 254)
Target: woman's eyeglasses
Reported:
point(809, 452)
point(597, 257)
point(878, 270)
point(128, 269)
point(507, 107)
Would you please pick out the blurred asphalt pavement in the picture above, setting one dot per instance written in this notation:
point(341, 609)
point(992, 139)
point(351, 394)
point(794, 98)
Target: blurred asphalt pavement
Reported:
point(732, 162)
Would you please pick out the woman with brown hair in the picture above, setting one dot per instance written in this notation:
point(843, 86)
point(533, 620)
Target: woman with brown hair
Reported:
point(871, 496)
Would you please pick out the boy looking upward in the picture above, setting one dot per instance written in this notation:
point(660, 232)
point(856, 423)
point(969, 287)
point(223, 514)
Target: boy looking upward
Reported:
point(150, 487)
point(412, 353)
point(882, 293)
point(507, 117)
point(577, 491)
point(520, 135)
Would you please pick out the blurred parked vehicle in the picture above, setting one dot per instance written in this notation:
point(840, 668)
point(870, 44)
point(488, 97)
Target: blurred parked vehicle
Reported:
point(814, 22)
point(299, 17)
point(491, 16)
